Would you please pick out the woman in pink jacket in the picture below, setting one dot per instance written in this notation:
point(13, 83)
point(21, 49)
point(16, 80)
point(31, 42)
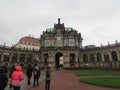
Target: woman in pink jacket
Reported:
point(17, 77)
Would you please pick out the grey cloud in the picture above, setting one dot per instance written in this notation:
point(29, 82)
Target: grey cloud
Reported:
point(95, 19)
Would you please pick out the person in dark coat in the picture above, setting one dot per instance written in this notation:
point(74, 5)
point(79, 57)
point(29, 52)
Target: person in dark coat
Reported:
point(36, 74)
point(12, 69)
point(3, 78)
point(29, 71)
point(47, 77)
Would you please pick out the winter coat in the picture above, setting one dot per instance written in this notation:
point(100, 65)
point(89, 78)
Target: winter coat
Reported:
point(29, 71)
point(17, 76)
point(48, 73)
point(3, 78)
point(37, 72)
point(12, 69)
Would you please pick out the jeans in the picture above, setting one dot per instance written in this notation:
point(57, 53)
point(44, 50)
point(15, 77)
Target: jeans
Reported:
point(16, 87)
point(29, 80)
point(36, 79)
point(47, 85)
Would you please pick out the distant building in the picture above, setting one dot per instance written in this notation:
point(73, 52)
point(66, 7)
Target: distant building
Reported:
point(89, 46)
point(28, 43)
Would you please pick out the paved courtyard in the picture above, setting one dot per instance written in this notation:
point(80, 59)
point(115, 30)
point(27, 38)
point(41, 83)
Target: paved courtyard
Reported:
point(62, 80)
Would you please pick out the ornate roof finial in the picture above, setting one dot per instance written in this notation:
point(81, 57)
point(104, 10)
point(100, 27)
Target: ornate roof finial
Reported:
point(58, 20)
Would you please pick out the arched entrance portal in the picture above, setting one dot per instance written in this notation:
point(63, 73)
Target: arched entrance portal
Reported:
point(46, 59)
point(58, 60)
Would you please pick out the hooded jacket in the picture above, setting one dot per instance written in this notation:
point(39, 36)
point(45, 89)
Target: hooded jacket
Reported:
point(17, 76)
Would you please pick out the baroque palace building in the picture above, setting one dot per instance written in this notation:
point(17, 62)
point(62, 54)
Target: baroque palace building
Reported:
point(28, 43)
point(62, 46)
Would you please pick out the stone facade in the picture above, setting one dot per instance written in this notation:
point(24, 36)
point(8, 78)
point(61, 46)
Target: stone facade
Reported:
point(62, 46)
point(58, 42)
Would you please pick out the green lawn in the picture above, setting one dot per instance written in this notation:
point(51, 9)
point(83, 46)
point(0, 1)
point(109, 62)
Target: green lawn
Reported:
point(103, 81)
point(107, 78)
point(97, 72)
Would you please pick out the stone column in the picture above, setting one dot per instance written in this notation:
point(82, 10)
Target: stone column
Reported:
point(81, 58)
point(11, 55)
point(52, 60)
point(42, 63)
point(26, 56)
point(66, 61)
point(76, 60)
point(67, 41)
point(95, 62)
point(110, 56)
point(18, 59)
point(118, 55)
point(102, 55)
point(95, 56)
point(88, 57)
point(2, 57)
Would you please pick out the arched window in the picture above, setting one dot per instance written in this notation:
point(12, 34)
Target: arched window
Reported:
point(46, 59)
point(22, 57)
point(6, 56)
point(99, 57)
point(92, 58)
point(114, 56)
point(85, 58)
point(29, 58)
point(14, 57)
point(72, 60)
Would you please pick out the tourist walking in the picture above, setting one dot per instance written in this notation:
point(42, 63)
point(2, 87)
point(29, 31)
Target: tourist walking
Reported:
point(12, 69)
point(3, 78)
point(17, 77)
point(36, 74)
point(29, 71)
point(47, 77)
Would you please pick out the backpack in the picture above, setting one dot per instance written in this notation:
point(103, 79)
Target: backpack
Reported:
point(47, 73)
point(37, 72)
point(3, 78)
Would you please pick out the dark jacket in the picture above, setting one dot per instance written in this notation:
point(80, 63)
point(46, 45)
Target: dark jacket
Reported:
point(37, 71)
point(12, 69)
point(29, 71)
point(48, 73)
point(3, 78)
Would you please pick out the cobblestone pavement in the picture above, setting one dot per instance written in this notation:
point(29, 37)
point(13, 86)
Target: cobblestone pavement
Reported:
point(62, 80)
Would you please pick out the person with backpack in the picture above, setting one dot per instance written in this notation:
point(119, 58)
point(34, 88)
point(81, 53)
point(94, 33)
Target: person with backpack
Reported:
point(29, 71)
point(36, 74)
point(47, 77)
point(3, 78)
point(16, 77)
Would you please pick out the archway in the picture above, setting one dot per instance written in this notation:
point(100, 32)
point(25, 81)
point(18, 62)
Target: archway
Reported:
point(99, 59)
point(85, 58)
point(58, 60)
point(14, 57)
point(46, 58)
point(6, 56)
point(72, 60)
point(114, 56)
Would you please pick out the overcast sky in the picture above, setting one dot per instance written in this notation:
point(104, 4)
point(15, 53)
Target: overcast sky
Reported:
point(98, 21)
